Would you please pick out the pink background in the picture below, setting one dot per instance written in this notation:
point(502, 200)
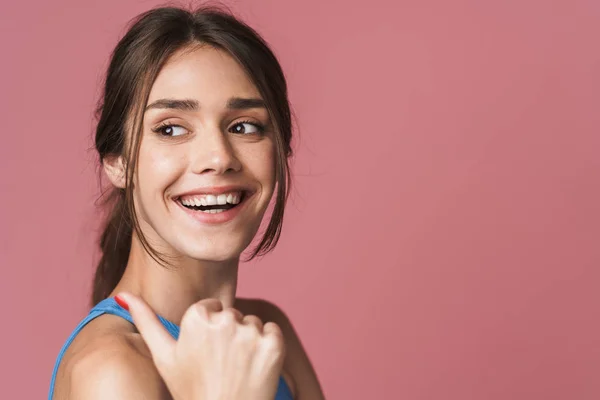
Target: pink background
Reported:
point(442, 238)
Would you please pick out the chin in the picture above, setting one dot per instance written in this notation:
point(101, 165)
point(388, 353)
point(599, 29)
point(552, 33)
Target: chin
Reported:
point(214, 250)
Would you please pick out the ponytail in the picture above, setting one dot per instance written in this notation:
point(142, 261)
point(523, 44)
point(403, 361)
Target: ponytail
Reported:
point(115, 244)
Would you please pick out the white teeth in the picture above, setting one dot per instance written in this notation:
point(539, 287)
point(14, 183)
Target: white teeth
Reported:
point(222, 199)
point(213, 211)
point(211, 200)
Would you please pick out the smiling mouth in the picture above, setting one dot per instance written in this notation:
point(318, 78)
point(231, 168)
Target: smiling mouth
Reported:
point(213, 208)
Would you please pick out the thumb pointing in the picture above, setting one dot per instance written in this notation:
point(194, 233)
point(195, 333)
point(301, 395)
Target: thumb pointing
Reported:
point(157, 338)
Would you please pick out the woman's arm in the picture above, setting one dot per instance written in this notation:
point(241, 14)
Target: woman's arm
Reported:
point(116, 371)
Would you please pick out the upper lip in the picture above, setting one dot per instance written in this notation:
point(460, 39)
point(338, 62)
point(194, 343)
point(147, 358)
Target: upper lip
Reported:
point(215, 190)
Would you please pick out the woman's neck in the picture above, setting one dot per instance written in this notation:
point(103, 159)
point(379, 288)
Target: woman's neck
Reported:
point(171, 291)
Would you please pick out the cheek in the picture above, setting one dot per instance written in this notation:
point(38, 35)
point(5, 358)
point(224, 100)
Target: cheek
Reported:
point(159, 167)
point(262, 164)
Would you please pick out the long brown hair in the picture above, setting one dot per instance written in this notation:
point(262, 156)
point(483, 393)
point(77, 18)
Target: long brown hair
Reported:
point(152, 37)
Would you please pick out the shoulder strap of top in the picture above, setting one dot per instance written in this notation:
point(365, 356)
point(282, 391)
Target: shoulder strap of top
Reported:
point(110, 306)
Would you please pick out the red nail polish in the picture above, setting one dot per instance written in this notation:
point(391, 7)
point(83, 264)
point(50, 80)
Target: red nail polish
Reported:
point(122, 302)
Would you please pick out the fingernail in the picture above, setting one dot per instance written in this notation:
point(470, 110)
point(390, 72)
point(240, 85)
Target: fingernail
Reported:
point(121, 302)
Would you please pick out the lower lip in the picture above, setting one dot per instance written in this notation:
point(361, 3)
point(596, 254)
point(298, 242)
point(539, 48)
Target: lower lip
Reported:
point(216, 218)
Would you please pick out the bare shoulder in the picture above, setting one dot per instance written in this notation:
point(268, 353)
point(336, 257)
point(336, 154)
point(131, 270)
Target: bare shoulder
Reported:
point(298, 370)
point(115, 364)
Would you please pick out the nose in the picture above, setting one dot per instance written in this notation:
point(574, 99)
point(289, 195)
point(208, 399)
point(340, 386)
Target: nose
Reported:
point(212, 152)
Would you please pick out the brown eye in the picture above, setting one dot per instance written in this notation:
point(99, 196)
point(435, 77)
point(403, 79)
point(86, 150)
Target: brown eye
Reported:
point(246, 128)
point(170, 130)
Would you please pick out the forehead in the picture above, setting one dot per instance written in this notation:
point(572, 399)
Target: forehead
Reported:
point(210, 75)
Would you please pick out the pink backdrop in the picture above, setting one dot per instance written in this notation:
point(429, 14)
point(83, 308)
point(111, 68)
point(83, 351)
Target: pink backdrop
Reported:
point(442, 238)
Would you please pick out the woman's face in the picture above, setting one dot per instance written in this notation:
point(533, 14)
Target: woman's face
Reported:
point(207, 138)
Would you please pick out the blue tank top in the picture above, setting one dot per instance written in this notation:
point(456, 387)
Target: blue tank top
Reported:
point(110, 306)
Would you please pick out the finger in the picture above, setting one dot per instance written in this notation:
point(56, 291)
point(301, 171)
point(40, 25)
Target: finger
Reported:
point(196, 317)
point(236, 314)
point(228, 317)
point(273, 337)
point(157, 338)
point(206, 307)
point(272, 345)
point(253, 320)
point(271, 328)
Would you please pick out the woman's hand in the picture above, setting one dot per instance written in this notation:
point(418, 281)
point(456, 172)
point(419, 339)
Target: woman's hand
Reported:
point(220, 354)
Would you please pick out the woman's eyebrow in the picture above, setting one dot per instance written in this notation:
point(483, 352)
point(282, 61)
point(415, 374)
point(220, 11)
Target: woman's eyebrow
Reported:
point(239, 103)
point(183, 105)
point(234, 103)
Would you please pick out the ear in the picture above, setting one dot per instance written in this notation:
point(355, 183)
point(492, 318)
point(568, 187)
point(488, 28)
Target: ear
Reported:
point(115, 169)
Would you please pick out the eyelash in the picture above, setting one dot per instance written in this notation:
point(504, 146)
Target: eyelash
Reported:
point(166, 124)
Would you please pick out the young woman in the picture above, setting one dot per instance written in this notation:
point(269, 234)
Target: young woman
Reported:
point(194, 134)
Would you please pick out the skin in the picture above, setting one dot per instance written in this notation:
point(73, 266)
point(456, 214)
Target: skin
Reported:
point(209, 147)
